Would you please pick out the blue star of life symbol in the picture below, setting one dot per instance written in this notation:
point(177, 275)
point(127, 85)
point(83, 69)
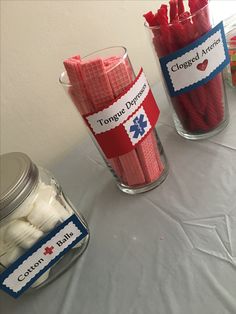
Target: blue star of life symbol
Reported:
point(139, 126)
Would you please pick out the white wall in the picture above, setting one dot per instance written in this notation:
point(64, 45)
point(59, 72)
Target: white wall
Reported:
point(36, 36)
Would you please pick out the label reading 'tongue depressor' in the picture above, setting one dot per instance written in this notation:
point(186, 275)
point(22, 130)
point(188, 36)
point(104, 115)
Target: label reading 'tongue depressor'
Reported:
point(126, 122)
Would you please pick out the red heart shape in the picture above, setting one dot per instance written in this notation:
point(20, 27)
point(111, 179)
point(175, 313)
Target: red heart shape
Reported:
point(202, 66)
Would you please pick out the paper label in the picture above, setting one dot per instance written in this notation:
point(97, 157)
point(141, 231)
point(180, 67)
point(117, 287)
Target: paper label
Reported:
point(197, 63)
point(119, 127)
point(44, 254)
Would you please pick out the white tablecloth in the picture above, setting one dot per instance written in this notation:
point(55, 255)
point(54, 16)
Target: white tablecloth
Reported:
point(171, 250)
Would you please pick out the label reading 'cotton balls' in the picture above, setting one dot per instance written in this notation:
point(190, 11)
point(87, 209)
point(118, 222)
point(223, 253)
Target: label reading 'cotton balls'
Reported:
point(18, 277)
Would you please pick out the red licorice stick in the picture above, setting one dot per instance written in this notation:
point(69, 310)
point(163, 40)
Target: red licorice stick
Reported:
point(184, 105)
point(150, 18)
point(167, 39)
point(198, 122)
point(164, 44)
point(214, 86)
point(180, 7)
point(201, 19)
point(173, 9)
point(196, 118)
point(187, 35)
point(199, 96)
point(164, 9)
point(192, 6)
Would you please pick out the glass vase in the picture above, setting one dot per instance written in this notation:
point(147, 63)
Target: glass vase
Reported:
point(93, 83)
point(203, 111)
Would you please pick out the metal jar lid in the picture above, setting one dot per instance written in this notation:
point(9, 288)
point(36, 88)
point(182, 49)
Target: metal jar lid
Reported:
point(18, 177)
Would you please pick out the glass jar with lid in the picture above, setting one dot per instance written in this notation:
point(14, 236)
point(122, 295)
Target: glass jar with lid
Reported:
point(41, 233)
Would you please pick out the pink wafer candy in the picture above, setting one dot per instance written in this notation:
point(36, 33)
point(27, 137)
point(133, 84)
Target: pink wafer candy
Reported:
point(157, 153)
point(147, 155)
point(96, 82)
point(117, 167)
point(75, 99)
point(129, 70)
point(132, 168)
point(110, 62)
point(100, 91)
point(119, 78)
point(70, 66)
point(77, 90)
point(98, 85)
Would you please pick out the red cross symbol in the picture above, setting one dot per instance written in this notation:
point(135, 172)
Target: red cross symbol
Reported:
point(48, 250)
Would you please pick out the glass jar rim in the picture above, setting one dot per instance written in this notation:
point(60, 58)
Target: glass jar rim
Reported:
point(182, 20)
point(123, 57)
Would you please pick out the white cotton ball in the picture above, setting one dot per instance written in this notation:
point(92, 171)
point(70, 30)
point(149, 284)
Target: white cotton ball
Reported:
point(22, 233)
point(46, 193)
point(41, 279)
point(31, 239)
point(44, 216)
point(48, 211)
point(11, 256)
point(25, 208)
point(2, 235)
point(63, 212)
point(49, 195)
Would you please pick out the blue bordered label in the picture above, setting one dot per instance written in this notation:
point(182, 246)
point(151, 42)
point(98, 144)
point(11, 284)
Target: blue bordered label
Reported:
point(197, 63)
point(43, 255)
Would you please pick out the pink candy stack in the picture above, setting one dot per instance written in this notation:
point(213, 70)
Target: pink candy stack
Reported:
point(95, 84)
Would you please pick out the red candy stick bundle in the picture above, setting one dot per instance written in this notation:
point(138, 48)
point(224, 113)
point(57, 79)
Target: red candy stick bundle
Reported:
point(95, 84)
point(202, 109)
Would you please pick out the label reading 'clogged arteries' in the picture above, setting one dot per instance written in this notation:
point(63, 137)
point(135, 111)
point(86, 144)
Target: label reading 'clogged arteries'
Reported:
point(197, 63)
point(119, 127)
point(18, 277)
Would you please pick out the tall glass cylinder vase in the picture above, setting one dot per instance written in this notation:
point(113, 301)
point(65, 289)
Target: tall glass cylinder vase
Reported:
point(202, 111)
point(96, 84)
